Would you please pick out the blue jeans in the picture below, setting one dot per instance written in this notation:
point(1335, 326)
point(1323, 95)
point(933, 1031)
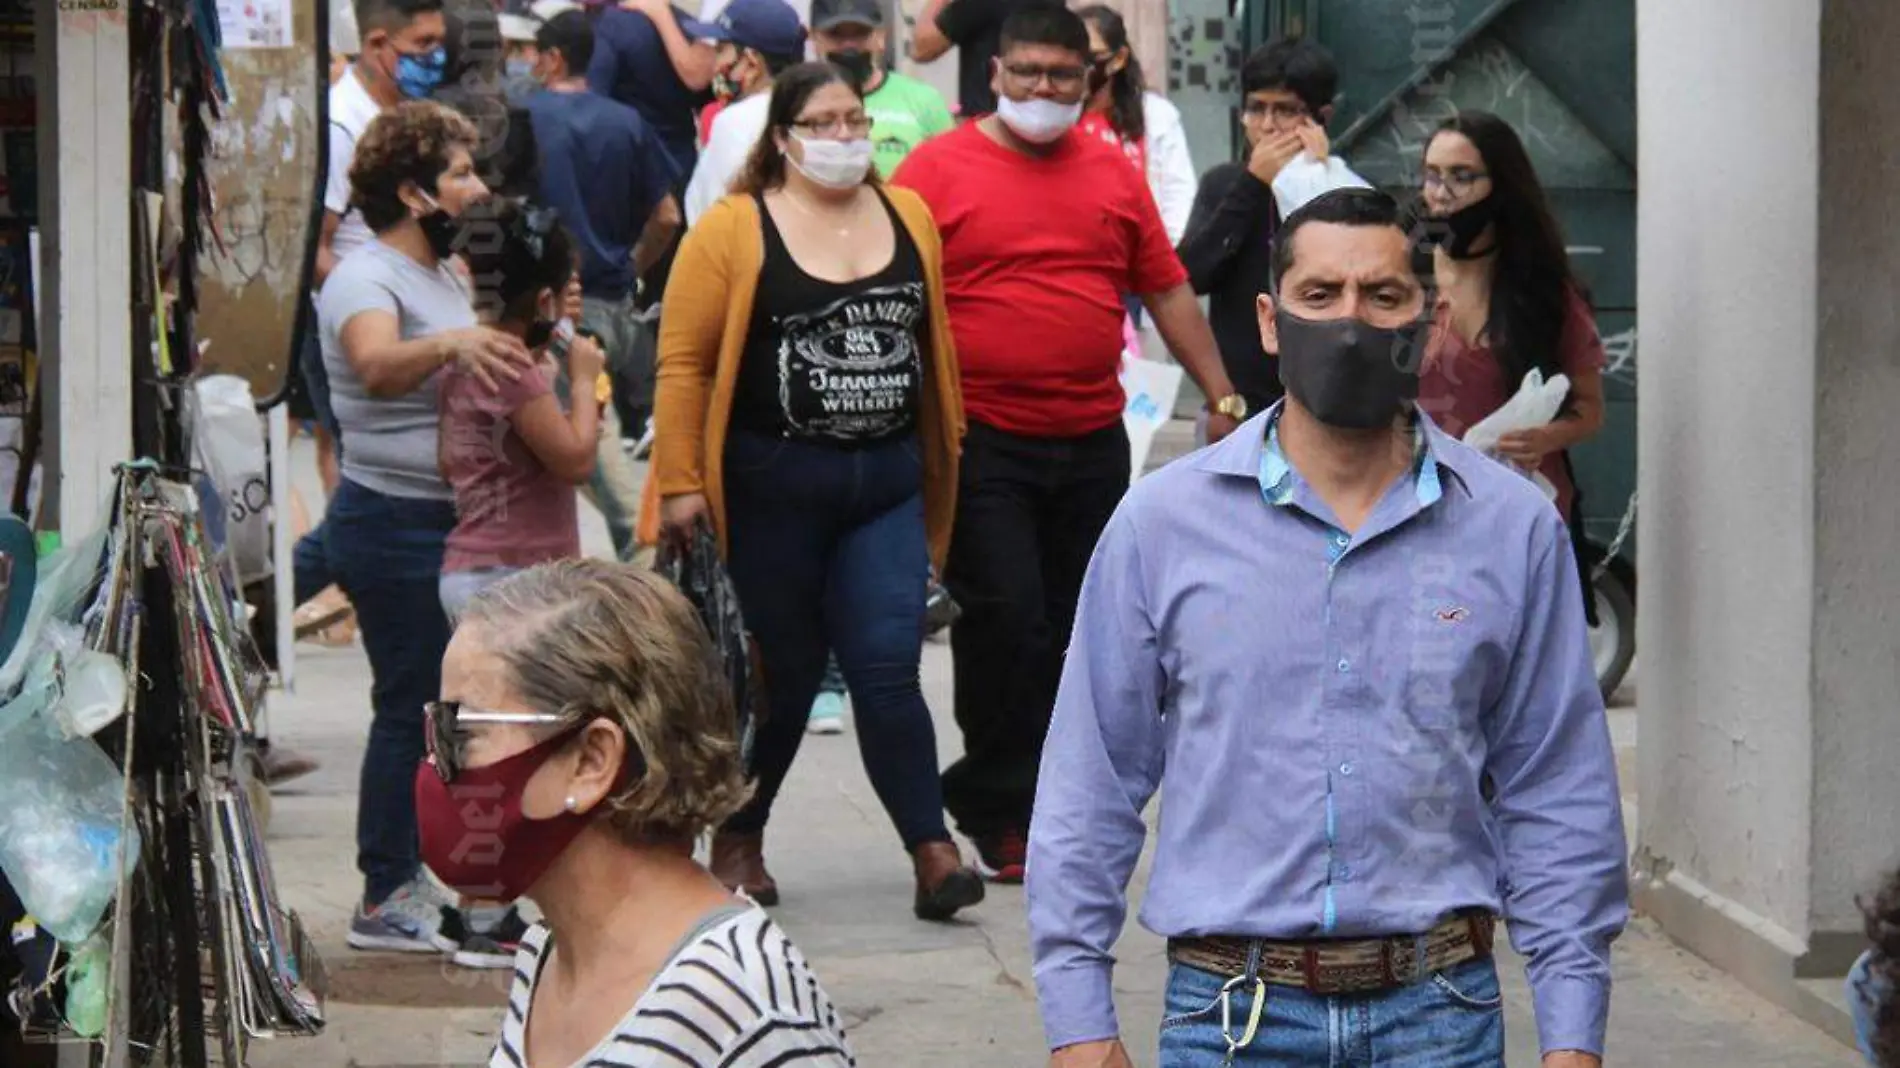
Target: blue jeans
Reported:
point(457, 588)
point(387, 556)
point(1453, 1019)
point(1866, 992)
point(825, 549)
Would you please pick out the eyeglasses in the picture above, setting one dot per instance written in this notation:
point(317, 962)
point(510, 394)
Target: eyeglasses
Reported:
point(1061, 79)
point(1458, 181)
point(1282, 112)
point(448, 738)
point(848, 125)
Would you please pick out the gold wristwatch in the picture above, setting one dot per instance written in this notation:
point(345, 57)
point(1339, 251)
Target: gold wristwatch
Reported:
point(1233, 406)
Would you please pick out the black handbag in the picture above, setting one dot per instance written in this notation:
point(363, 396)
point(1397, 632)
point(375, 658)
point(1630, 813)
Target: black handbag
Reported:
point(701, 575)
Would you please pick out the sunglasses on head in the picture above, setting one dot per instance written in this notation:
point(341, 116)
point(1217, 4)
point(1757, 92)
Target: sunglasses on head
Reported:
point(448, 723)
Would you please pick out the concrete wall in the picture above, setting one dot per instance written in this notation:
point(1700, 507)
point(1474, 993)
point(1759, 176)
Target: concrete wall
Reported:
point(1768, 249)
point(1856, 507)
point(1726, 237)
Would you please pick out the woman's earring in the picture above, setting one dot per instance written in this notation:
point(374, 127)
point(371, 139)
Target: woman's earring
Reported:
point(570, 804)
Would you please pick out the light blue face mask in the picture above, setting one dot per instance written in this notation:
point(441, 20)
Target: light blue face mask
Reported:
point(520, 69)
point(418, 76)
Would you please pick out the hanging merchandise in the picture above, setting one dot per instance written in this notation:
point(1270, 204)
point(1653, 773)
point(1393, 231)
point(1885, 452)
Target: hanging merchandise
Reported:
point(153, 866)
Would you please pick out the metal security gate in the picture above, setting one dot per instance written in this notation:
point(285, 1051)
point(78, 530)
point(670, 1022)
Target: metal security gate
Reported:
point(1563, 73)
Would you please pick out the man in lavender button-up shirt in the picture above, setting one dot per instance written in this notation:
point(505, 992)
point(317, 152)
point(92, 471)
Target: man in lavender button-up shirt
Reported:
point(1359, 656)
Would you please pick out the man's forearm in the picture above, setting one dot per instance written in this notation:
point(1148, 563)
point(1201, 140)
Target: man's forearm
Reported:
point(1179, 320)
point(692, 61)
point(927, 40)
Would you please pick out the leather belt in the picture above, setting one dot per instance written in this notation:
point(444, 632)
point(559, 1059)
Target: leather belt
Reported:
point(1345, 966)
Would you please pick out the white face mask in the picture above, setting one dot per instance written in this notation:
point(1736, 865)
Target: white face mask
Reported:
point(1038, 120)
point(833, 164)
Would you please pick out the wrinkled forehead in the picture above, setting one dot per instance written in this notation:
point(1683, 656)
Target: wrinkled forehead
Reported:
point(474, 671)
point(1338, 253)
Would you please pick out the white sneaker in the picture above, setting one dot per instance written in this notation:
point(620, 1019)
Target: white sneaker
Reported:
point(410, 921)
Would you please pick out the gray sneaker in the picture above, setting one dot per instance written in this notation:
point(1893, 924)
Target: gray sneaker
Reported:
point(410, 921)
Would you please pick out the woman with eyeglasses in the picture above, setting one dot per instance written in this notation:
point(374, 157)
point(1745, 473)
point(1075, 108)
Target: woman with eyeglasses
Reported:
point(392, 317)
point(1508, 302)
point(1122, 112)
point(809, 412)
point(583, 741)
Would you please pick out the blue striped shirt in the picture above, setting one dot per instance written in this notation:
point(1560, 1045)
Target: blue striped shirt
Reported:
point(1326, 707)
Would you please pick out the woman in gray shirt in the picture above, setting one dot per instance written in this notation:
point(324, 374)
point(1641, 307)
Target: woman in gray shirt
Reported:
point(391, 316)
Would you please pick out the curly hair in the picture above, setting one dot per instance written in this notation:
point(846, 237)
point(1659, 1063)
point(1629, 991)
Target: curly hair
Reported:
point(620, 642)
point(413, 143)
point(1883, 930)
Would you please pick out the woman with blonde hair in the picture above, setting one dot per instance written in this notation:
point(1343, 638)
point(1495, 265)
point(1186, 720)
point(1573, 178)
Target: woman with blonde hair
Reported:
point(808, 410)
point(585, 739)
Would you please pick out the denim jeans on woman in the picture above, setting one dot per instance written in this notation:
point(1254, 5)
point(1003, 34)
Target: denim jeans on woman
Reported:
point(1453, 1019)
point(825, 549)
point(387, 556)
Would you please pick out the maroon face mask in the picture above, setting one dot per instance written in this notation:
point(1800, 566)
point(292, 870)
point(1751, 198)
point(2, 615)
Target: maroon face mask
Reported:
point(474, 835)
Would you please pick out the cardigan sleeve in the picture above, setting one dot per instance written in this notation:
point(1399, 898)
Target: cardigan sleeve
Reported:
point(691, 330)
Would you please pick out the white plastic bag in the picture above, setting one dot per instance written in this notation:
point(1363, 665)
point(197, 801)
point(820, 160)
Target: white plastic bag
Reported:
point(1305, 178)
point(63, 839)
point(228, 434)
point(1151, 389)
point(1536, 403)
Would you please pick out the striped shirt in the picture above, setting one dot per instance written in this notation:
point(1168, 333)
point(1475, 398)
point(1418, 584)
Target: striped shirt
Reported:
point(736, 994)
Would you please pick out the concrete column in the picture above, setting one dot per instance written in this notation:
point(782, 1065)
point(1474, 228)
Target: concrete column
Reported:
point(86, 240)
point(1767, 248)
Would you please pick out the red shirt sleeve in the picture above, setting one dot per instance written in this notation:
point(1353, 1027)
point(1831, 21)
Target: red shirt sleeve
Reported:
point(1580, 349)
point(1154, 268)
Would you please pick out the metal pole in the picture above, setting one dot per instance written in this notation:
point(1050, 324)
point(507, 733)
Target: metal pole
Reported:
point(283, 575)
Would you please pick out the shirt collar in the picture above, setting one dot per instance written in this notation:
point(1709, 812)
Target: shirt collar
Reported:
point(1253, 452)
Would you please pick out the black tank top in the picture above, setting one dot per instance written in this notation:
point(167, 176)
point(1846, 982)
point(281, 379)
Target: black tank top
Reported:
point(836, 363)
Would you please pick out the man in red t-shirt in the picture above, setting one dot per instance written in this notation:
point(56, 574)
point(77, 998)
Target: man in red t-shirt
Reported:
point(1044, 230)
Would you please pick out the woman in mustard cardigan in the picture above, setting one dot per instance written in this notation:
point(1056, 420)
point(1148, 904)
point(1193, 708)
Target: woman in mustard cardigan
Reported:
point(808, 409)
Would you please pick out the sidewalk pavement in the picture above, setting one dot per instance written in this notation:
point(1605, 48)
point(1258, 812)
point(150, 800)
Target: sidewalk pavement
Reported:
point(914, 995)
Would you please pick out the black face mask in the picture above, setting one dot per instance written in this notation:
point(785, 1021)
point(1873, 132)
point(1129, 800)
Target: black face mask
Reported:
point(1098, 76)
point(1347, 372)
point(1457, 232)
point(540, 332)
point(443, 231)
point(857, 65)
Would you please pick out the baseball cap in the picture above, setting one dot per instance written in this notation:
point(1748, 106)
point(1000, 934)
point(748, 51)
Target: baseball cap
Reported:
point(768, 26)
point(830, 14)
point(518, 27)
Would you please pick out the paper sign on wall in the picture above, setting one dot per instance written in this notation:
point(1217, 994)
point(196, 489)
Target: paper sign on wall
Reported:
point(255, 23)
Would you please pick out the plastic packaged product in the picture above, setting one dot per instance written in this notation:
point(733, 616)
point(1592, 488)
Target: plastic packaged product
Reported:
point(88, 977)
point(63, 840)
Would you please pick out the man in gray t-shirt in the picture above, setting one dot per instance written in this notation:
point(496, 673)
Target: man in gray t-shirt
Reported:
point(392, 439)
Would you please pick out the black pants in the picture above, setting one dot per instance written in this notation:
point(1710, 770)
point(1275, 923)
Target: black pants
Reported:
point(1029, 512)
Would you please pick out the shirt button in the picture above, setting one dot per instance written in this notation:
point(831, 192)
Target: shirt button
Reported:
point(1342, 541)
point(1344, 666)
point(1346, 768)
point(1345, 873)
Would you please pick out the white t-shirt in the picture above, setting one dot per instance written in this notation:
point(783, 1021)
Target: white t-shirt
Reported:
point(734, 131)
point(736, 994)
point(352, 109)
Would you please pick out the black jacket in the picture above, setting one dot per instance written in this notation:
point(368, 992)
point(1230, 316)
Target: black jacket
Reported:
point(1228, 253)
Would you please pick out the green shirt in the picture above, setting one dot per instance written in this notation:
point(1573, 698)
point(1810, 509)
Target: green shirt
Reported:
point(904, 114)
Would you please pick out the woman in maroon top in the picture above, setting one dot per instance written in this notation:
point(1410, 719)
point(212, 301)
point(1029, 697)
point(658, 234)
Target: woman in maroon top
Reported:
point(1507, 302)
point(515, 450)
